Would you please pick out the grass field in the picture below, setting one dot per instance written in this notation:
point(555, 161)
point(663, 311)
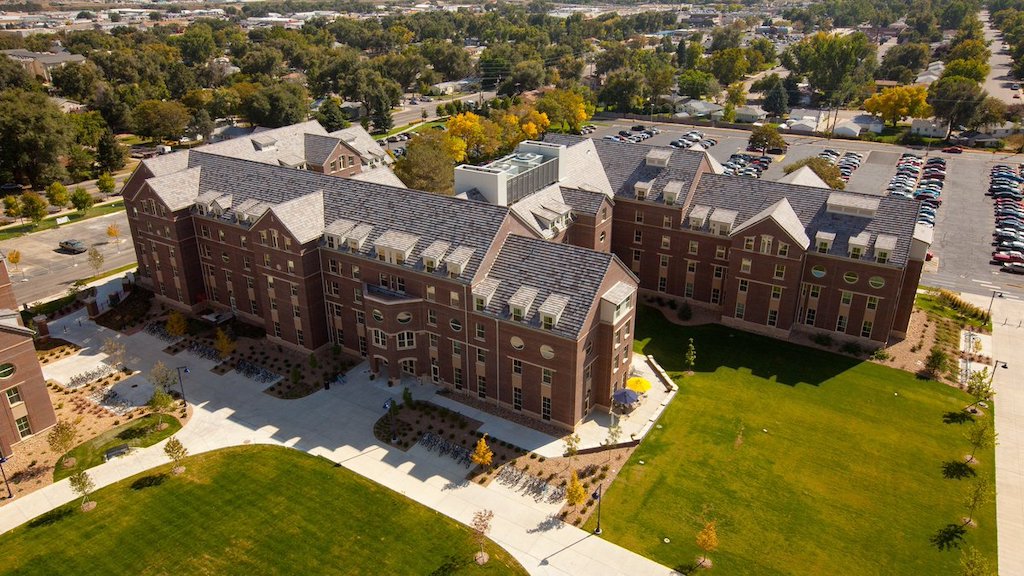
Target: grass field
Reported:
point(137, 433)
point(51, 221)
point(247, 510)
point(811, 463)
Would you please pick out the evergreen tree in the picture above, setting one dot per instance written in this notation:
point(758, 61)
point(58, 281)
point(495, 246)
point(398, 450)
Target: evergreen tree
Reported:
point(776, 101)
point(110, 155)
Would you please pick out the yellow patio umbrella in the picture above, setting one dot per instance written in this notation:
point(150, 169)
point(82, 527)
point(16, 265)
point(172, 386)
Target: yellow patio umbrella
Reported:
point(638, 384)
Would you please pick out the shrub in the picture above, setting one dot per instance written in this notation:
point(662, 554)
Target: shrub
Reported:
point(881, 354)
point(851, 348)
point(936, 362)
point(822, 340)
point(685, 312)
point(672, 304)
point(953, 300)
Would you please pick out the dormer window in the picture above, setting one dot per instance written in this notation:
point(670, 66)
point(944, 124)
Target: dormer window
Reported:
point(855, 252)
point(547, 322)
point(881, 256)
point(353, 244)
point(332, 241)
point(479, 303)
point(643, 189)
point(858, 244)
point(517, 314)
point(823, 246)
point(823, 240)
point(429, 264)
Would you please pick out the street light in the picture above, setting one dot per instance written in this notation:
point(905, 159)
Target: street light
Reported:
point(4, 474)
point(993, 299)
point(597, 496)
point(998, 364)
point(182, 385)
point(391, 416)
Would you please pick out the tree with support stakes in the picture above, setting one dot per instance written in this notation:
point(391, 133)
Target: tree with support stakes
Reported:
point(177, 452)
point(691, 357)
point(575, 494)
point(114, 233)
point(979, 386)
point(482, 525)
point(14, 257)
point(95, 259)
point(115, 351)
point(224, 344)
point(61, 439)
point(979, 492)
point(176, 324)
point(707, 541)
point(482, 455)
point(981, 436)
point(83, 485)
point(161, 403)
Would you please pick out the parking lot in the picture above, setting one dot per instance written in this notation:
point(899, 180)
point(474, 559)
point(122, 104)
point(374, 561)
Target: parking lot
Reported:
point(962, 243)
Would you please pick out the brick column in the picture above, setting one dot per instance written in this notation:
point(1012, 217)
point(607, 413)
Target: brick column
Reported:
point(42, 328)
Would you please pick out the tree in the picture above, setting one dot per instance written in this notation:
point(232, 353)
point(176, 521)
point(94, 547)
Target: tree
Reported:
point(776, 101)
point(976, 70)
point(707, 541)
point(14, 257)
point(697, 84)
point(110, 155)
point(105, 183)
point(33, 206)
point(824, 169)
point(61, 439)
point(972, 563)
point(160, 403)
point(224, 344)
point(694, 55)
point(115, 351)
point(575, 494)
point(428, 161)
point(622, 89)
point(57, 195)
point(81, 199)
point(979, 386)
point(481, 526)
point(114, 233)
point(903, 61)
point(727, 66)
point(95, 259)
point(161, 377)
point(955, 99)
point(565, 108)
point(277, 105)
point(201, 125)
point(834, 64)
point(525, 76)
point(196, 44)
point(936, 362)
point(736, 94)
point(177, 452)
point(979, 492)
point(572, 445)
point(165, 120)
point(766, 136)
point(82, 485)
point(35, 135)
point(481, 136)
point(12, 207)
point(331, 116)
point(176, 324)
point(991, 112)
point(482, 455)
point(981, 436)
point(614, 433)
point(691, 356)
point(899, 103)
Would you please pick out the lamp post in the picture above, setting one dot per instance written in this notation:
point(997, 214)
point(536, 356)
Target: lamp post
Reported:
point(4, 474)
point(991, 300)
point(181, 384)
point(597, 496)
point(391, 416)
point(997, 364)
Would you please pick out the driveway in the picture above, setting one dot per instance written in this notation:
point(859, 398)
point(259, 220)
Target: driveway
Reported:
point(337, 424)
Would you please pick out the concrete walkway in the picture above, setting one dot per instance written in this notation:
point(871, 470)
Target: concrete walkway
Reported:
point(337, 424)
point(1007, 344)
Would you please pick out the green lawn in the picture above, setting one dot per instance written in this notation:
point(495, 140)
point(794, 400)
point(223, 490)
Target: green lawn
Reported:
point(846, 480)
point(108, 273)
point(51, 222)
point(247, 510)
point(139, 433)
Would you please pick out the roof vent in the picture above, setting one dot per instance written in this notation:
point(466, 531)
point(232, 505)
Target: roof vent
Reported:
point(658, 157)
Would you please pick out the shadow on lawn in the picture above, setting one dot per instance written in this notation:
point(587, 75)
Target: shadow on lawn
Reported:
point(957, 417)
point(51, 517)
point(150, 481)
point(719, 346)
point(957, 470)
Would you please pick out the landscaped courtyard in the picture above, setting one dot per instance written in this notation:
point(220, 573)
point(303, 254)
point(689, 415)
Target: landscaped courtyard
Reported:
point(248, 510)
point(810, 462)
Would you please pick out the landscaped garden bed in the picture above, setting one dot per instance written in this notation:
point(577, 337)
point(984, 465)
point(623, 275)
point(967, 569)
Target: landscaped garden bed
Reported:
point(135, 310)
point(53, 349)
point(137, 433)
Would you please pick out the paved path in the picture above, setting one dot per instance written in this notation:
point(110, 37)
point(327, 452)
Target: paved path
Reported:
point(337, 424)
point(1007, 343)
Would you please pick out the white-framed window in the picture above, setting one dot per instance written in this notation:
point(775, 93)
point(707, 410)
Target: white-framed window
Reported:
point(13, 396)
point(773, 317)
point(380, 338)
point(780, 272)
point(517, 366)
point(406, 340)
point(745, 266)
point(24, 428)
point(693, 247)
point(865, 329)
point(547, 376)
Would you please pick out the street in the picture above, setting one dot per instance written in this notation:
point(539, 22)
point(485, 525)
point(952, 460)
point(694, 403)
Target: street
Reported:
point(414, 112)
point(999, 79)
point(44, 271)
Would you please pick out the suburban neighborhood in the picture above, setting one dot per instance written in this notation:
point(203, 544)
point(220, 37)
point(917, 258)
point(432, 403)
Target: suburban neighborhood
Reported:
point(512, 288)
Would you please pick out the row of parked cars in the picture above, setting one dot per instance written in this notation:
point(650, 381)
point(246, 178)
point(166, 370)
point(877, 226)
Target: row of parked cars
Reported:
point(1008, 237)
point(639, 133)
point(746, 165)
point(923, 181)
point(693, 138)
point(846, 163)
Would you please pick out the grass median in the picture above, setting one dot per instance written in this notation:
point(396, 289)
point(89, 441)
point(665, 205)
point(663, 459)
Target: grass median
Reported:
point(810, 462)
point(248, 510)
point(51, 221)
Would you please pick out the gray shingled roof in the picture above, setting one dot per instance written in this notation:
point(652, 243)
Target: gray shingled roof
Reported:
point(318, 148)
point(550, 269)
point(472, 225)
point(625, 165)
point(748, 196)
point(583, 201)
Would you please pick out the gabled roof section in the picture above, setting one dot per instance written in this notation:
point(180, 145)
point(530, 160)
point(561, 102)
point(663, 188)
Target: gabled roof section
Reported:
point(303, 216)
point(583, 201)
point(396, 240)
point(582, 168)
point(10, 321)
point(782, 213)
point(804, 176)
point(318, 148)
point(178, 190)
point(363, 143)
point(379, 175)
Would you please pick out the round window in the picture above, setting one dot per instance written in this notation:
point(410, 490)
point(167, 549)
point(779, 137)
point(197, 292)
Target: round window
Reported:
point(6, 370)
point(456, 325)
point(517, 342)
point(850, 277)
point(547, 352)
point(378, 315)
point(876, 282)
point(403, 317)
point(818, 271)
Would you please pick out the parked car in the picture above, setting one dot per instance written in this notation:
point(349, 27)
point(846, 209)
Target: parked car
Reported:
point(1013, 267)
point(1008, 256)
point(953, 150)
point(73, 246)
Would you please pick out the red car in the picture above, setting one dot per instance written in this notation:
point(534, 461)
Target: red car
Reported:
point(1009, 256)
point(953, 150)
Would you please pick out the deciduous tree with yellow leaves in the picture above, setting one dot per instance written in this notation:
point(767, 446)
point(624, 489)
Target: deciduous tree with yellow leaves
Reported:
point(898, 103)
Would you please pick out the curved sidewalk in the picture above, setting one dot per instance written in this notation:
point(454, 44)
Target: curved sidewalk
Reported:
point(337, 424)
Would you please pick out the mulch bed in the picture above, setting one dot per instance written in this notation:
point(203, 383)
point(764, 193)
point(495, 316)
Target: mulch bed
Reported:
point(54, 349)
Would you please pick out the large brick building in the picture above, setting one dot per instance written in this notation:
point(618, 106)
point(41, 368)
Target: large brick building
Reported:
point(768, 256)
point(462, 293)
point(25, 408)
